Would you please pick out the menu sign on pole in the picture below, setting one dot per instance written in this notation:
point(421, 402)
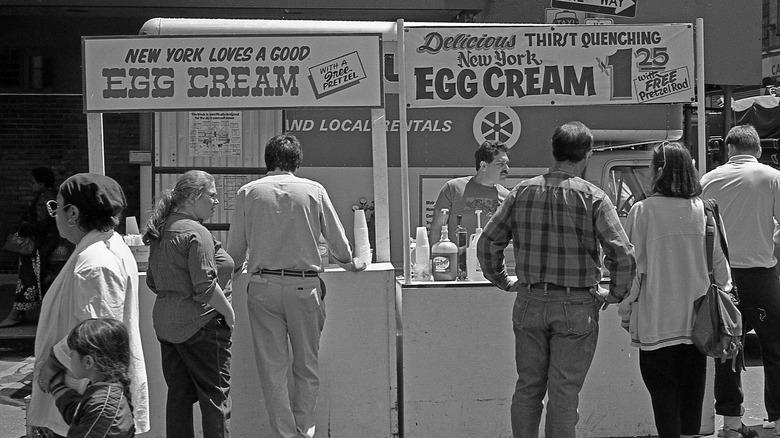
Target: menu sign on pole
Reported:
point(167, 73)
point(549, 65)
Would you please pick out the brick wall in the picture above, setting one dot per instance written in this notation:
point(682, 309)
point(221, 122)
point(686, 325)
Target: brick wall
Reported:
point(51, 130)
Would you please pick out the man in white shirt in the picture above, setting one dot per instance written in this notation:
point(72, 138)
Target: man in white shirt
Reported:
point(748, 195)
point(276, 225)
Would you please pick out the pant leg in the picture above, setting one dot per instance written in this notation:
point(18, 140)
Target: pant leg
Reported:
point(574, 331)
point(760, 304)
point(531, 360)
point(659, 369)
point(181, 393)
point(728, 383)
point(305, 319)
point(207, 357)
point(269, 335)
point(692, 374)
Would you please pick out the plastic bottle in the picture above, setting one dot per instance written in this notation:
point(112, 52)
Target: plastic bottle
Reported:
point(444, 256)
point(462, 240)
point(473, 270)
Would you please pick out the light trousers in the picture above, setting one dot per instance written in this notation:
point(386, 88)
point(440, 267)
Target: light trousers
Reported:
point(286, 315)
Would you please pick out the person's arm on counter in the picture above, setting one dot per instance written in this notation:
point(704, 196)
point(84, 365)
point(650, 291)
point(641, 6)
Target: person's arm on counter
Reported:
point(337, 240)
point(490, 246)
point(237, 244)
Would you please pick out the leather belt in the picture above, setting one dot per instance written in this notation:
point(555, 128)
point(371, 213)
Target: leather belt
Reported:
point(554, 287)
point(290, 272)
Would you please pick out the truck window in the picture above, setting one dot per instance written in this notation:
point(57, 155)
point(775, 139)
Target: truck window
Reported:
point(626, 185)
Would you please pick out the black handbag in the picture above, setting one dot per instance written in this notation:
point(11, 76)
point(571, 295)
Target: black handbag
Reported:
point(19, 245)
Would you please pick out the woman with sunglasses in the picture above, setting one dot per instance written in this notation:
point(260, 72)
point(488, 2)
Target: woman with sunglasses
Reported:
point(667, 230)
point(99, 280)
point(193, 318)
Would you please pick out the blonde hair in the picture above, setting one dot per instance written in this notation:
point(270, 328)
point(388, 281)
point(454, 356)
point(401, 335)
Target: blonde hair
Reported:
point(190, 185)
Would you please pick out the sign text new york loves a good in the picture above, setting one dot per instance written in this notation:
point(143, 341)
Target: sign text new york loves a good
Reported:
point(231, 72)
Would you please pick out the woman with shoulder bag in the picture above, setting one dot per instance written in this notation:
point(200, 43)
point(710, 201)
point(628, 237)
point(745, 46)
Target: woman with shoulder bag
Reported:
point(668, 233)
point(38, 231)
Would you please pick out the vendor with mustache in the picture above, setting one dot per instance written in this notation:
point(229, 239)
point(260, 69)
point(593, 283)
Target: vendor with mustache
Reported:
point(463, 196)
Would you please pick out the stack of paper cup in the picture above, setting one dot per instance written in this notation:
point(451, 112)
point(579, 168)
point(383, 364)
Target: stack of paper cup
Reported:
point(422, 248)
point(422, 254)
point(131, 225)
point(362, 244)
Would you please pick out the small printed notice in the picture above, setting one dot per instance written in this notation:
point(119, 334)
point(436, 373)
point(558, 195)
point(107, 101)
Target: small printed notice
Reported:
point(215, 134)
point(336, 75)
point(230, 185)
point(657, 84)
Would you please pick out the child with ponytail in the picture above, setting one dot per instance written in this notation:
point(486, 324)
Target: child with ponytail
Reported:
point(100, 352)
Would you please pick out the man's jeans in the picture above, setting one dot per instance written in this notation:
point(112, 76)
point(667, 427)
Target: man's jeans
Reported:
point(282, 307)
point(555, 339)
point(198, 370)
point(759, 294)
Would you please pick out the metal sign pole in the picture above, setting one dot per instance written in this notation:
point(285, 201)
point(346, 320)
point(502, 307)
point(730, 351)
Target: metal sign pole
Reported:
point(97, 162)
point(700, 107)
point(404, 150)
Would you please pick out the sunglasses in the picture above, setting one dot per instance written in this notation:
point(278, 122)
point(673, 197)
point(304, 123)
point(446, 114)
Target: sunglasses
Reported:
point(51, 207)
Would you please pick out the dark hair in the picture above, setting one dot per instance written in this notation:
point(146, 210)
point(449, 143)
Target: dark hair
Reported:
point(107, 341)
point(99, 198)
point(487, 151)
point(571, 142)
point(744, 138)
point(190, 185)
point(283, 152)
point(673, 171)
point(43, 175)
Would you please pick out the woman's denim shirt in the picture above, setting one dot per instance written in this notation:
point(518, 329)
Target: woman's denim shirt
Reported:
point(184, 267)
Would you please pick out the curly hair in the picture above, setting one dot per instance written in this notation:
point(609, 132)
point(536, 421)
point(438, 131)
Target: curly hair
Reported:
point(487, 151)
point(107, 341)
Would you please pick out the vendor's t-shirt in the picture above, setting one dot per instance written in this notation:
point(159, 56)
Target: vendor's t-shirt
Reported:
point(464, 196)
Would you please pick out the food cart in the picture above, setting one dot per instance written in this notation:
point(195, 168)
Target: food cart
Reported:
point(398, 357)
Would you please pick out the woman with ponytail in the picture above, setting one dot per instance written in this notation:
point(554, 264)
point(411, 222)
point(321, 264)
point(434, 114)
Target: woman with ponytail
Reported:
point(193, 318)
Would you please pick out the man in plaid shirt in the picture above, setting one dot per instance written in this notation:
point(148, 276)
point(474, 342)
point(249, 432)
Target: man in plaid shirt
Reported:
point(559, 224)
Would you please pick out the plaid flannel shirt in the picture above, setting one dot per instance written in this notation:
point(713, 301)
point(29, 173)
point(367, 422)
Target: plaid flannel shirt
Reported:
point(559, 224)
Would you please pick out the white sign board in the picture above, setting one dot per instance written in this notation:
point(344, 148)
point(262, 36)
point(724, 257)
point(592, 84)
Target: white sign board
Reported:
point(166, 73)
point(770, 67)
point(549, 65)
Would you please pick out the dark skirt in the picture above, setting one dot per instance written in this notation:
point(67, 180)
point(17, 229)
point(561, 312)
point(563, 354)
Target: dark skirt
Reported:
point(28, 286)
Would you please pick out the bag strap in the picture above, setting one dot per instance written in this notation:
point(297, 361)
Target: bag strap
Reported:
point(724, 246)
point(709, 235)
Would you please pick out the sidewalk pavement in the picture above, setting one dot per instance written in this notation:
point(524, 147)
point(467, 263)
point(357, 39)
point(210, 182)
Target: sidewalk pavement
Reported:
point(16, 367)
